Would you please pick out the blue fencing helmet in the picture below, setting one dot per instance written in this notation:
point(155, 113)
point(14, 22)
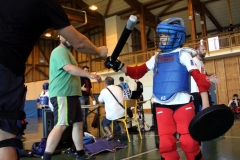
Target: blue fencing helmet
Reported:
point(45, 86)
point(174, 27)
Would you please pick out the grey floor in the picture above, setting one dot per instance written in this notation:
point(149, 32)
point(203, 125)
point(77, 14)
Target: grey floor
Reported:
point(222, 148)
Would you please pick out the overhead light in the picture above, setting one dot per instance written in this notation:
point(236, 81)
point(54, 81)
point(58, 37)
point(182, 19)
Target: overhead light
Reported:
point(48, 35)
point(93, 7)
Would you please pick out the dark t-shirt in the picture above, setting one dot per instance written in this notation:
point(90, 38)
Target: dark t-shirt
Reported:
point(21, 24)
point(88, 85)
point(139, 86)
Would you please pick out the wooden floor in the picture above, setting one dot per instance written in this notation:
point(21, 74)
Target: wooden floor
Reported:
point(222, 148)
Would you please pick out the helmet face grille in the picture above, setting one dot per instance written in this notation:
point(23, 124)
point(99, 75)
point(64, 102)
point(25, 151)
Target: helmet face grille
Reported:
point(174, 27)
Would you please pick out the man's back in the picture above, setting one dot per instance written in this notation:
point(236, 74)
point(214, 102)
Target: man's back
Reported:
point(112, 107)
point(21, 24)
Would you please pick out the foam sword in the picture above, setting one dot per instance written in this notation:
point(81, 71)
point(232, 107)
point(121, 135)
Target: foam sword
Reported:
point(121, 42)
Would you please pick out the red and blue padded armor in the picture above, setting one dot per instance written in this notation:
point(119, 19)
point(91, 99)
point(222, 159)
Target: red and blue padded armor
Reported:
point(44, 100)
point(170, 76)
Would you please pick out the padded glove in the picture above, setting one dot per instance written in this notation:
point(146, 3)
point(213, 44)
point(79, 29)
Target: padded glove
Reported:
point(108, 64)
point(117, 65)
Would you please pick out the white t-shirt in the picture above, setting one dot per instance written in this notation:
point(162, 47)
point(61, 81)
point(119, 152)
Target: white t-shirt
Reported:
point(200, 66)
point(112, 107)
point(179, 97)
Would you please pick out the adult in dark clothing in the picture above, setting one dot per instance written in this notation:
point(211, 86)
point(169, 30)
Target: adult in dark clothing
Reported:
point(21, 24)
point(86, 92)
point(138, 86)
point(230, 28)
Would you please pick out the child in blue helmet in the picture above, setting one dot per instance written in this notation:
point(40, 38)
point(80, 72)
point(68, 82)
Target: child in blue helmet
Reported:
point(44, 97)
point(171, 88)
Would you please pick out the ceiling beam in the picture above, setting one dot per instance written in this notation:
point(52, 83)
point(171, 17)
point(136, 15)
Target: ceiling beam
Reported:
point(130, 10)
point(64, 1)
point(164, 14)
point(28, 70)
point(152, 25)
point(152, 2)
point(107, 9)
point(201, 8)
point(42, 51)
point(212, 18)
point(167, 8)
point(136, 5)
point(41, 71)
point(85, 6)
point(175, 11)
point(210, 1)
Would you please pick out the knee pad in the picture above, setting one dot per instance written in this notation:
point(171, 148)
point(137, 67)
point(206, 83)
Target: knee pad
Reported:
point(188, 144)
point(167, 143)
point(18, 115)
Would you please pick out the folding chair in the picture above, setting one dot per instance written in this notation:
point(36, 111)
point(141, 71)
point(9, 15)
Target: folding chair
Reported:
point(127, 104)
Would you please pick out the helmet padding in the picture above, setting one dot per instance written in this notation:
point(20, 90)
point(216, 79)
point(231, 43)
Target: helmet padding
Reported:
point(174, 27)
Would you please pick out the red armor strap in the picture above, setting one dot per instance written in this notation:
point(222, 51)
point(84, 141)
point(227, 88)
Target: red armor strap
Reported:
point(136, 72)
point(202, 80)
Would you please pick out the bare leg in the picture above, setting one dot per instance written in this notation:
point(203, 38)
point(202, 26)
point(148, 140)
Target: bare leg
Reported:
point(77, 135)
point(107, 129)
point(7, 153)
point(122, 127)
point(54, 138)
point(110, 136)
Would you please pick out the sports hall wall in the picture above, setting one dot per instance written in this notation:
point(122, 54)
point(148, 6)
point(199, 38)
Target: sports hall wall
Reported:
point(227, 69)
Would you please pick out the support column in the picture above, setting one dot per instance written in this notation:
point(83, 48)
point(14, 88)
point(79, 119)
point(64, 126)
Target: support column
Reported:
point(191, 18)
point(143, 34)
point(203, 25)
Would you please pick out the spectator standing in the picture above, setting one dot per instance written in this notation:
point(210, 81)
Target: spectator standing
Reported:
point(198, 61)
point(230, 28)
point(125, 88)
point(138, 86)
point(64, 95)
point(84, 99)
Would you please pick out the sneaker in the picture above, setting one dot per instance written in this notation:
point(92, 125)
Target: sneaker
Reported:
point(85, 157)
point(110, 137)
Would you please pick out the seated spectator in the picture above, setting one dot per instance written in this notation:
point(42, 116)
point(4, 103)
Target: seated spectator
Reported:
point(113, 109)
point(234, 103)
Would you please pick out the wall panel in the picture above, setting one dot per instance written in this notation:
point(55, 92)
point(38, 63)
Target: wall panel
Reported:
point(222, 86)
